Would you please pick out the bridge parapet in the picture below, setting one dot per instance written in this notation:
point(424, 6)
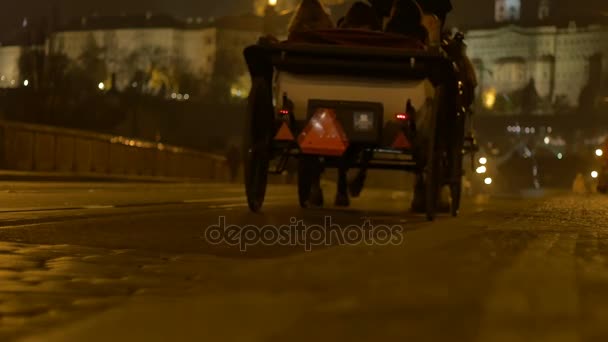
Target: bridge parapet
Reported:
point(30, 147)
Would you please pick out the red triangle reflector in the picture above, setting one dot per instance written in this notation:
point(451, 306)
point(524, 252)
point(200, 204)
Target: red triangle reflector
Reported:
point(401, 142)
point(323, 135)
point(284, 133)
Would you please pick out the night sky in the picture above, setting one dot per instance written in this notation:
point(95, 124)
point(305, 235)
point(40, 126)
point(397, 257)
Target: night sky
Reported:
point(12, 12)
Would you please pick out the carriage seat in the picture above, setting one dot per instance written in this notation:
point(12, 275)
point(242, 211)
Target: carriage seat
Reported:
point(354, 37)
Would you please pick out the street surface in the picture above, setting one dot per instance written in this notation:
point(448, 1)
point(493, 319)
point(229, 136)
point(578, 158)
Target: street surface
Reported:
point(131, 262)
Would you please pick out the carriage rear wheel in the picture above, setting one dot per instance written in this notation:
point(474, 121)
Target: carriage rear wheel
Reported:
point(456, 169)
point(432, 182)
point(435, 161)
point(455, 194)
point(257, 143)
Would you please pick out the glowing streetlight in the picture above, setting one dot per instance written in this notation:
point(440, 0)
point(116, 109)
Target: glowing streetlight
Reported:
point(483, 161)
point(26, 83)
point(481, 170)
point(272, 3)
point(594, 174)
point(599, 152)
point(560, 156)
point(489, 98)
point(101, 86)
point(547, 140)
point(488, 181)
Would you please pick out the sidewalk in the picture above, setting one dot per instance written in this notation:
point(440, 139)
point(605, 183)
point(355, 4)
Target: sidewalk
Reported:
point(10, 175)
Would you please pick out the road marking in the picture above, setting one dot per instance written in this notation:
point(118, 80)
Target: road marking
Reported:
point(98, 207)
point(241, 199)
point(228, 206)
point(212, 200)
point(243, 205)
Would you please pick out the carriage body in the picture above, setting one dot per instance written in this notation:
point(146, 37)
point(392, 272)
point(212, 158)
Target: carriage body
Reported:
point(385, 103)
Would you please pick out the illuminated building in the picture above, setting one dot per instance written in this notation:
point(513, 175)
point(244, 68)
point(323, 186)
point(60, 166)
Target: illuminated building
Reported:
point(160, 42)
point(9, 66)
point(287, 5)
point(558, 57)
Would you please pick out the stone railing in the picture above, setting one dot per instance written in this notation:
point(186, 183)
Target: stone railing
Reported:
point(28, 147)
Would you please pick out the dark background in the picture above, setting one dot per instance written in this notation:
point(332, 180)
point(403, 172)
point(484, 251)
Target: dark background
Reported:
point(466, 12)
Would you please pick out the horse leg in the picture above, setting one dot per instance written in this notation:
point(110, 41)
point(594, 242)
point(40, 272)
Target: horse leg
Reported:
point(342, 199)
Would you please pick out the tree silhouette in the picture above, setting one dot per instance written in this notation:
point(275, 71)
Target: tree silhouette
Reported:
point(229, 67)
point(31, 65)
point(93, 63)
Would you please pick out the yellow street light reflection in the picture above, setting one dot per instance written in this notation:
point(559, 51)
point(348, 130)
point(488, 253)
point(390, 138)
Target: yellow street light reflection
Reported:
point(489, 98)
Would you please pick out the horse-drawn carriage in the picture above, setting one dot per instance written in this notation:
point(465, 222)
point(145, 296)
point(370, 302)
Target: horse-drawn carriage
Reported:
point(357, 99)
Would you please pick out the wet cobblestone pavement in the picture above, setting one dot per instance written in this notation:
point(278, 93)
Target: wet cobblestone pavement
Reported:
point(506, 270)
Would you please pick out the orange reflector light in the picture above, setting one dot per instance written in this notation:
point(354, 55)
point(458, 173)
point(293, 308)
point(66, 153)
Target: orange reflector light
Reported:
point(401, 142)
point(402, 116)
point(284, 133)
point(323, 135)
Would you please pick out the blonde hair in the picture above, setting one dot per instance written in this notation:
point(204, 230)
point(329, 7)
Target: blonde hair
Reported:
point(310, 15)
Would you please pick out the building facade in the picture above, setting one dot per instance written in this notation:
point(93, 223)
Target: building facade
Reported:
point(159, 46)
point(559, 60)
point(9, 66)
point(286, 5)
point(507, 10)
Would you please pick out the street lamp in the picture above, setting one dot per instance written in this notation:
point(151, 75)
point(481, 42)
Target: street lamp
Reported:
point(269, 17)
point(489, 98)
point(599, 152)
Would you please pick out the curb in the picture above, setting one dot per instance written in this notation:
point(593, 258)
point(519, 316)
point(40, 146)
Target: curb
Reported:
point(6, 175)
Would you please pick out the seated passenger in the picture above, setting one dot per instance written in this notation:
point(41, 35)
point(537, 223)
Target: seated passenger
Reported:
point(406, 19)
point(361, 16)
point(440, 8)
point(309, 16)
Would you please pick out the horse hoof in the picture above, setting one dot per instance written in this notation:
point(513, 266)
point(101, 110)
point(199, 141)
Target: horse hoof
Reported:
point(342, 200)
